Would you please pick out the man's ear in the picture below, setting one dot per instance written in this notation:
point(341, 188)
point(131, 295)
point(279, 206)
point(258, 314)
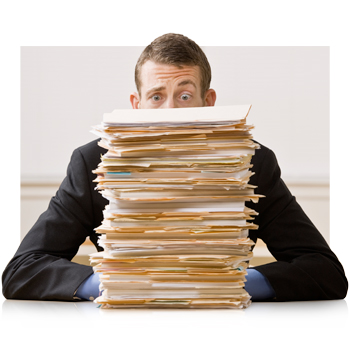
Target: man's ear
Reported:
point(210, 98)
point(135, 100)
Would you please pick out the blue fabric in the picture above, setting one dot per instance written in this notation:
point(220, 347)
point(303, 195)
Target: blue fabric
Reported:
point(258, 286)
point(89, 289)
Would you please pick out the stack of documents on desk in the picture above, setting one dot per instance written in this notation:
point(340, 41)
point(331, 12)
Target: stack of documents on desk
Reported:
point(175, 231)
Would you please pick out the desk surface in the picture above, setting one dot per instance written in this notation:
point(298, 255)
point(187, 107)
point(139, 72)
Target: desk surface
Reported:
point(321, 324)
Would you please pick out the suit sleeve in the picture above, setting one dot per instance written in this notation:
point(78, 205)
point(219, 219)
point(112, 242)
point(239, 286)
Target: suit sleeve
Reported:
point(41, 268)
point(306, 268)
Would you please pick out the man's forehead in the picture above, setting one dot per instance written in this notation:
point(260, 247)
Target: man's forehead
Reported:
point(160, 70)
point(160, 86)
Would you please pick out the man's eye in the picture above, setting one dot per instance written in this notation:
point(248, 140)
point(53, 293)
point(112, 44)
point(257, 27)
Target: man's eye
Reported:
point(185, 97)
point(156, 98)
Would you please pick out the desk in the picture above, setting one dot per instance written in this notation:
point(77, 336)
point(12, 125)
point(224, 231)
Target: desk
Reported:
point(292, 325)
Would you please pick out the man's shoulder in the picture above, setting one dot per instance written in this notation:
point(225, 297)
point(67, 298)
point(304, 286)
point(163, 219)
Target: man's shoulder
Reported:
point(91, 152)
point(264, 158)
point(261, 153)
point(91, 147)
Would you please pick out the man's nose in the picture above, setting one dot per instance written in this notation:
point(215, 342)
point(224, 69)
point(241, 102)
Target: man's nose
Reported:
point(171, 103)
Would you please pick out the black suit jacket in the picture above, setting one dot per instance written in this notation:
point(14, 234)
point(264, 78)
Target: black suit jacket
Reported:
point(306, 268)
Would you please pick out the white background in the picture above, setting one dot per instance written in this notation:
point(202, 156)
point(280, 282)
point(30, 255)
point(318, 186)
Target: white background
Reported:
point(66, 90)
point(266, 23)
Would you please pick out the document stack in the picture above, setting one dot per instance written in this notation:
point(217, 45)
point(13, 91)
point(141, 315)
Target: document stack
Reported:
point(175, 231)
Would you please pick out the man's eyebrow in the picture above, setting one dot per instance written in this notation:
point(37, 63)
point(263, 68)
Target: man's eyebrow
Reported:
point(155, 89)
point(185, 82)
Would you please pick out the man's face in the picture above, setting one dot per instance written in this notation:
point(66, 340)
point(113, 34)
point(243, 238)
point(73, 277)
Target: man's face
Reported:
point(168, 86)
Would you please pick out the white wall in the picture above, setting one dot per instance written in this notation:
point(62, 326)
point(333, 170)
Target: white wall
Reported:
point(66, 90)
point(288, 88)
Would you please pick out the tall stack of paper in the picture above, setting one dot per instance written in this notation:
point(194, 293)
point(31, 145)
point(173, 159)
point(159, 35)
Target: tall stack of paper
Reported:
point(175, 232)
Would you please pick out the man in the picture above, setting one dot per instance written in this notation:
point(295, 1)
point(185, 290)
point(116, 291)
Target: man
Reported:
point(172, 72)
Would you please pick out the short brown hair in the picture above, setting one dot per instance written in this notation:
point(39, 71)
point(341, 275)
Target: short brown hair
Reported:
point(177, 50)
